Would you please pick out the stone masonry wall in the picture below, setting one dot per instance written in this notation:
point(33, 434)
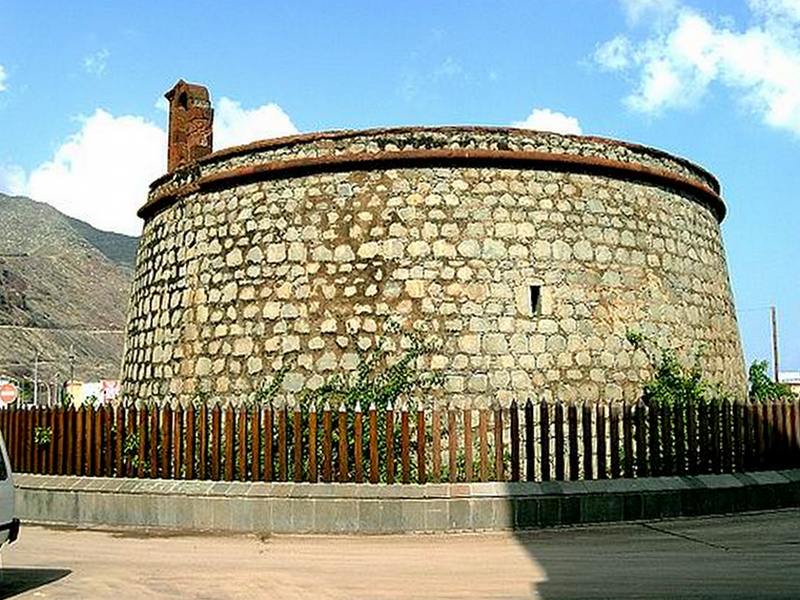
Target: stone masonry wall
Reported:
point(231, 282)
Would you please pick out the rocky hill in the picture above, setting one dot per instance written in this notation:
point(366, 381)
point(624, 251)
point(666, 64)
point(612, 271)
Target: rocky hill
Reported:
point(64, 288)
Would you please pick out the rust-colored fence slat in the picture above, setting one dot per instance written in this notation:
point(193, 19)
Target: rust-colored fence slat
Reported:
point(765, 437)
point(679, 414)
point(283, 414)
point(727, 438)
point(654, 443)
point(269, 443)
point(241, 443)
point(436, 445)
point(202, 442)
point(313, 472)
point(154, 438)
point(600, 437)
point(108, 436)
point(327, 444)
point(558, 449)
point(795, 426)
point(119, 438)
point(422, 475)
point(34, 457)
point(177, 442)
point(51, 447)
point(141, 440)
point(343, 458)
point(738, 436)
point(692, 455)
point(757, 425)
point(530, 446)
point(627, 440)
point(228, 455)
point(215, 441)
point(405, 463)
point(255, 443)
point(469, 467)
point(640, 415)
point(667, 440)
point(80, 422)
point(514, 440)
point(716, 442)
point(99, 441)
point(58, 442)
point(88, 442)
point(297, 444)
point(483, 442)
point(166, 441)
point(704, 438)
point(452, 446)
point(586, 439)
point(389, 433)
point(374, 465)
point(358, 444)
point(613, 440)
point(189, 442)
point(773, 426)
point(544, 440)
point(572, 428)
point(499, 467)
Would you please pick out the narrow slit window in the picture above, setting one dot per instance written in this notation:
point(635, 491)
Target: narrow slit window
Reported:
point(536, 300)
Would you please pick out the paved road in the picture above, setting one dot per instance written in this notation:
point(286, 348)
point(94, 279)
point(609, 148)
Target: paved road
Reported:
point(752, 556)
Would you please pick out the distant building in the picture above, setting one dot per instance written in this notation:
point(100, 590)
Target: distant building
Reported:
point(98, 392)
point(792, 379)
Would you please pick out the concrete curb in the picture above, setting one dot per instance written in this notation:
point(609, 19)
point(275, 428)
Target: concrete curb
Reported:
point(361, 508)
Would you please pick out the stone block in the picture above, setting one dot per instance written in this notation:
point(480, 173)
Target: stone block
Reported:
point(601, 508)
point(526, 513)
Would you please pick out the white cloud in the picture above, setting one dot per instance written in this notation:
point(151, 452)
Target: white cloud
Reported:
point(2, 79)
point(235, 125)
point(101, 173)
point(637, 10)
point(544, 119)
point(677, 65)
point(95, 64)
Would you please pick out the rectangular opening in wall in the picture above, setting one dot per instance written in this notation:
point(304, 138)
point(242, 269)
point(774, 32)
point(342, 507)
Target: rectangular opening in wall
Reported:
point(536, 300)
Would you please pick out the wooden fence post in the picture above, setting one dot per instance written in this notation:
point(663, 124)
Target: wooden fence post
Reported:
point(313, 474)
point(297, 444)
point(282, 445)
point(452, 441)
point(166, 440)
point(613, 440)
point(586, 435)
point(343, 458)
point(679, 411)
point(667, 456)
point(327, 444)
point(405, 460)
point(202, 441)
point(641, 440)
point(727, 438)
point(627, 440)
point(436, 445)
point(389, 432)
point(499, 473)
point(358, 433)
point(654, 444)
point(600, 427)
point(189, 446)
point(530, 452)
point(572, 427)
point(215, 441)
point(738, 436)
point(79, 439)
point(269, 443)
point(514, 441)
point(558, 423)
point(544, 440)
point(691, 438)
point(422, 476)
point(154, 437)
point(374, 474)
point(469, 467)
point(241, 427)
point(230, 415)
point(716, 442)
point(483, 442)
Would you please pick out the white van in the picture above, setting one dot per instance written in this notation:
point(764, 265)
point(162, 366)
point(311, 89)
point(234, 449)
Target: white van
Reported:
point(9, 524)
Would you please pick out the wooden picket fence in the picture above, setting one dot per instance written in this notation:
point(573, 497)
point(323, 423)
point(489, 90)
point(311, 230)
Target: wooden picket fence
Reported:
point(529, 441)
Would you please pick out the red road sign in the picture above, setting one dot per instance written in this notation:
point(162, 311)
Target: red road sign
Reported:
point(8, 393)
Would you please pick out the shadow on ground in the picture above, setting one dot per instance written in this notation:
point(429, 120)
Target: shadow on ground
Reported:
point(14, 581)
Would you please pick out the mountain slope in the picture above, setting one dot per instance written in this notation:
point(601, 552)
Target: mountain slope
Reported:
point(63, 285)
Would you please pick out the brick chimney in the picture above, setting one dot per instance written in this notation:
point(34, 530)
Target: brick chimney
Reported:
point(190, 121)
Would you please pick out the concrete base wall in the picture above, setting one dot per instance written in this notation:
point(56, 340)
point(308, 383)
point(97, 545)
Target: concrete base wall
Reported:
point(351, 508)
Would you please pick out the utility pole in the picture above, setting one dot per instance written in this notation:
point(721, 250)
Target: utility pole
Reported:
point(774, 319)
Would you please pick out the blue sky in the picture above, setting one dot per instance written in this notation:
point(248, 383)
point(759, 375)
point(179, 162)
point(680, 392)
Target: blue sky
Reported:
point(82, 127)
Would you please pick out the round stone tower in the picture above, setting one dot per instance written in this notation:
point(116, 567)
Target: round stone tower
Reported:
point(529, 255)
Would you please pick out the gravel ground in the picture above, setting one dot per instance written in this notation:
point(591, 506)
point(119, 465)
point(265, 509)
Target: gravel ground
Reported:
point(749, 556)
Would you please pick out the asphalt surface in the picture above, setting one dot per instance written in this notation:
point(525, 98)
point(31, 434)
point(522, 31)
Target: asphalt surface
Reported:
point(746, 556)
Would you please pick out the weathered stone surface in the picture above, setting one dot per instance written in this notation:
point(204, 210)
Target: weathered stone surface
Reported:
point(235, 282)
